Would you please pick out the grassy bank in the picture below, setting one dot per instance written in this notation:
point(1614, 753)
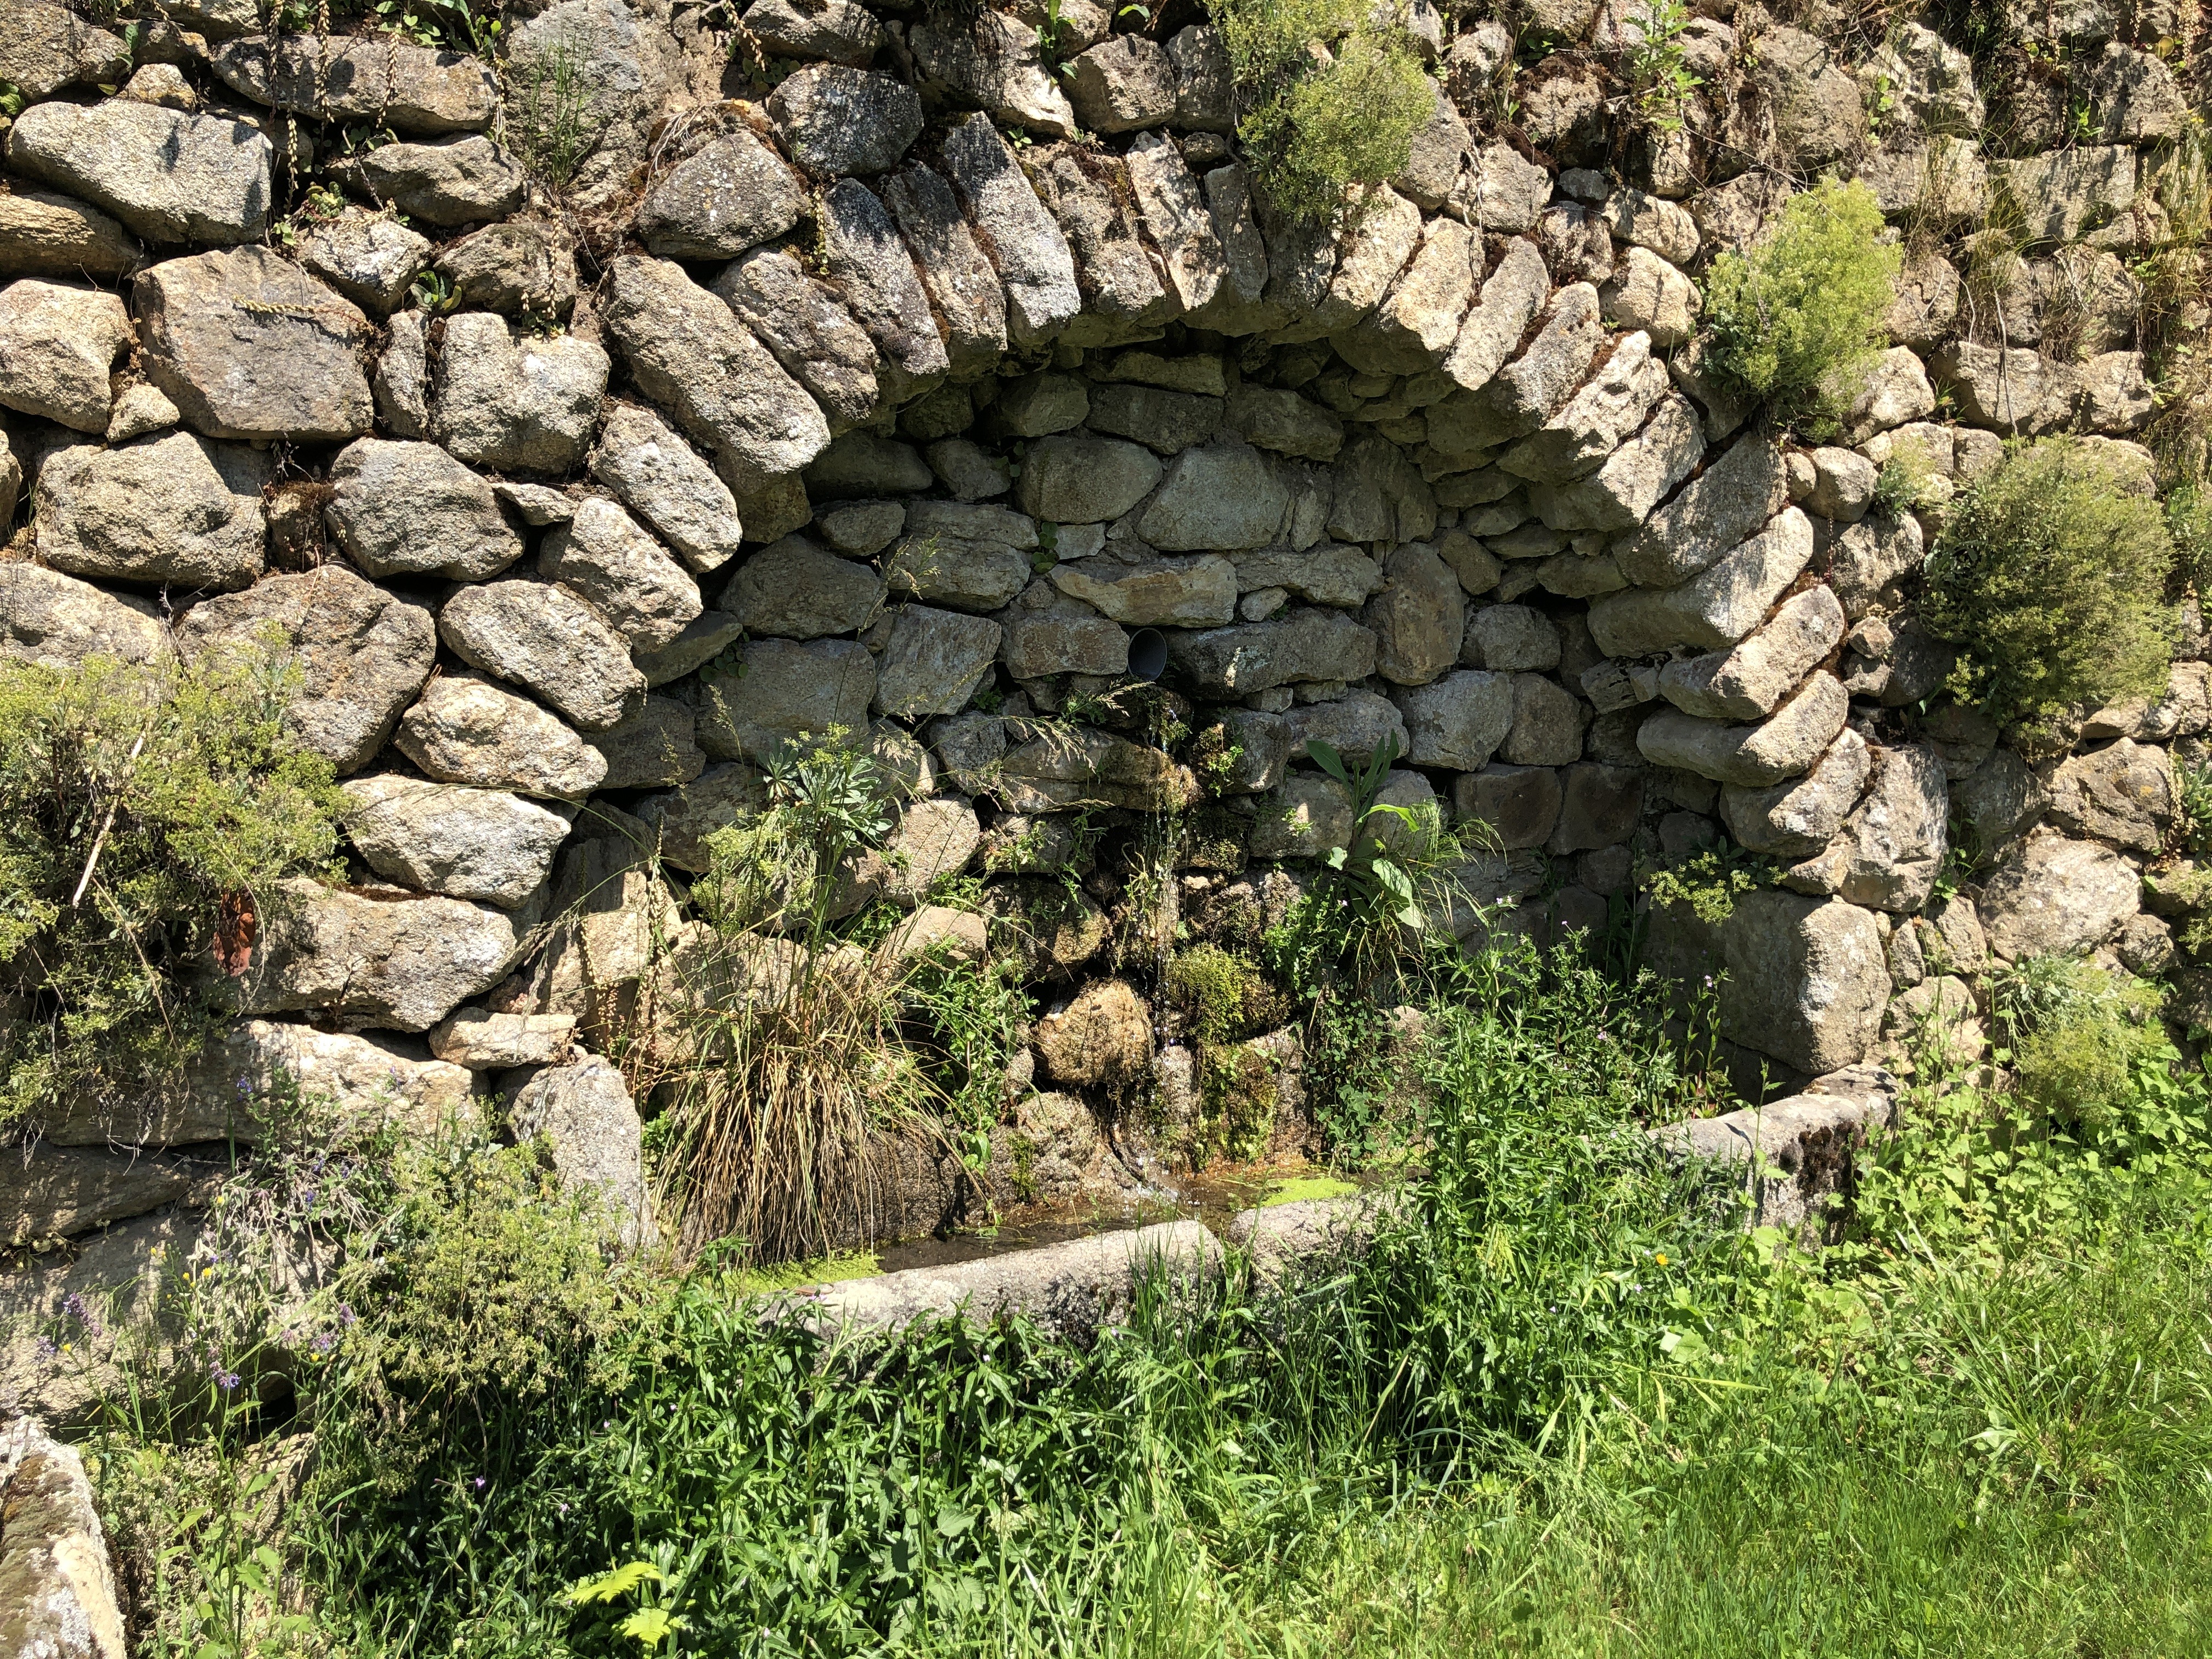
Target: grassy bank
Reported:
point(1568, 1404)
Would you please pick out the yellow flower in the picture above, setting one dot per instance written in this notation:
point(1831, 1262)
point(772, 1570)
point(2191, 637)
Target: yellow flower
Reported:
point(1661, 1258)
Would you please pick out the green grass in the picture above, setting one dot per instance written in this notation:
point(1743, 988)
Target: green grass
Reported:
point(1567, 1405)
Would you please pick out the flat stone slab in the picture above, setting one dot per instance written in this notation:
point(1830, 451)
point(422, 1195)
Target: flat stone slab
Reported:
point(1071, 1290)
point(1798, 1153)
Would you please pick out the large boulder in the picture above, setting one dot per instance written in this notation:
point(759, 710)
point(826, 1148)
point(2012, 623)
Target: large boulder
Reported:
point(1715, 608)
point(46, 235)
point(169, 175)
point(385, 81)
point(1302, 644)
point(175, 510)
point(2053, 896)
point(1031, 256)
point(812, 333)
point(798, 591)
point(452, 181)
point(1103, 1039)
point(248, 344)
point(465, 843)
point(57, 343)
point(688, 351)
point(371, 259)
point(1784, 745)
point(834, 119)
point(1082, 480)
point(777, 690)
point(964, 291)
point(466, 730)
point(967, 556)
point(662, 479)
point(362, 654)
point(933, 661)
point(1153, 592)
point(583, 1113)
point(1892, 847)
point(732, 193)
point(57, 621)
point(403, 509)
point(614, 69)
point(2123, 794)
point(229, 1089)
point(1459, 721)
point(1418, 617)
point(56, 1588)
point(1746, 683)
point(1806, 982)
point(633, 581)
point(866, 257)
point(542, 636)
point(506, 399)
point(1800, 816)
point(375, 960)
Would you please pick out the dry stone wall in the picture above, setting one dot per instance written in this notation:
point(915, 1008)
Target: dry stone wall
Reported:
point(593, 422)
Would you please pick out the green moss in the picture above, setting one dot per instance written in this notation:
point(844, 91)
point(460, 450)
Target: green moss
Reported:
point(146, 814)
point(1220, 997)
point(1239, 1098)
point(790, 1275)
point(1798, 319)
point(1318, 123)
point(1299, 1188)
point(2050, 575)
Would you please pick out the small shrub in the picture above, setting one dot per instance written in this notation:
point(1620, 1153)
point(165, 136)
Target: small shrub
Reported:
point(2189, 521)
point(2079, 1036)
point(1315, 125)
point(2050, 575)
point(145, 812)
point(1799, 317)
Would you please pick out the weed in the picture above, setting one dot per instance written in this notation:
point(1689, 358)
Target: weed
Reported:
point(1799, 317)
point(547, 118)
point(2049, 575)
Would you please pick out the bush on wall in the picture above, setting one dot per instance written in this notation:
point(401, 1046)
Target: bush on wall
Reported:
point(143, 808)
point(1798, 317)
point(1317, 122)
point(2051, 574)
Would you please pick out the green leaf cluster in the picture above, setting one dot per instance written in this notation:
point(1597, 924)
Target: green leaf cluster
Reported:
point(2050, 576)
point(1332, 92)
point(140, 806)
point(1798, 317)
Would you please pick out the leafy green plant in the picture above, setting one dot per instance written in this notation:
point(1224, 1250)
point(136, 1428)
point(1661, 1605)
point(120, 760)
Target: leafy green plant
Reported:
point(1330, 93)
point(1709, 881)
point(1657, 69)
point(146, 814)
point(1798, 317)
point(2050, 575)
